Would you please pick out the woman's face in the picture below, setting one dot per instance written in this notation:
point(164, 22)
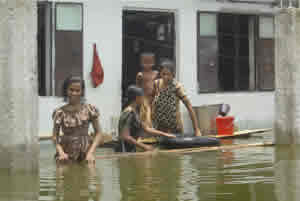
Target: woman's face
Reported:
point(74, 92)
point(166, 75)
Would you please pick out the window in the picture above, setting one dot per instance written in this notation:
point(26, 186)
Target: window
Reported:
point(207, 52)
point(68, 17)
point(235, 52)
point(266, 27)
point(207, 23)
point(60, 45)
point(265, 54)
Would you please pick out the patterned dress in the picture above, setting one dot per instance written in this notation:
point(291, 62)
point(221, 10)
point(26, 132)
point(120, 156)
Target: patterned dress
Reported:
point(75, 140)
point(166, 107)
point(129, 119)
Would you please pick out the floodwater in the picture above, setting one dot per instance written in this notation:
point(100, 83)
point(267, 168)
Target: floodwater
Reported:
point(249, 174)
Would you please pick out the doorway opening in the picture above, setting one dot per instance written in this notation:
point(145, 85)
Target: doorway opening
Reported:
point(145, 31)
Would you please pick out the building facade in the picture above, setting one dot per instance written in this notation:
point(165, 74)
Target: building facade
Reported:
point(223, 49)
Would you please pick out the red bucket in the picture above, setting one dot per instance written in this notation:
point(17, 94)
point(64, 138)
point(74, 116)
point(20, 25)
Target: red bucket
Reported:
point(225, 125)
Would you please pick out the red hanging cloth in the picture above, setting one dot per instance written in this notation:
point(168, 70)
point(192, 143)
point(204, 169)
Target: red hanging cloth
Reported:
point(97, 71)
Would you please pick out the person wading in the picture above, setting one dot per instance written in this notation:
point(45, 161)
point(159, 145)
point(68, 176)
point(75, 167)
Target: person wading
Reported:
point(131, 126)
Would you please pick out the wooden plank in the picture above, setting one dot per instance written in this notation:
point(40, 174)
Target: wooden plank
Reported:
point(153, 140)
point(186, 151)
point(243, 133)
point(106, 137)
point(43, 138)
point(237, 134)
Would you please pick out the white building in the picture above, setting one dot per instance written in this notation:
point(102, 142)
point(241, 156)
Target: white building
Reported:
point(224, 51)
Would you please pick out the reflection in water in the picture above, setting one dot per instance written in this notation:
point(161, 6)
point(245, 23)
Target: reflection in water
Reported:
point(150, 178)
point(287, 172)
point(242, 175)
point(248, 177)
point(227, 155)
point(77, 183)
point(199, 178)
point(19, 186)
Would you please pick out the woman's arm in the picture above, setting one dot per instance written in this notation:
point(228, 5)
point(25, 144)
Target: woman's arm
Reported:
point(157, 132)
point(125, 135)
point(61, 154)
point(192, 114)
point(98, 136)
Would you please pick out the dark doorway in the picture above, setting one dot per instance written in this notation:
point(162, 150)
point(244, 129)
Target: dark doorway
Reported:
point(145, 32)
point(44, 48)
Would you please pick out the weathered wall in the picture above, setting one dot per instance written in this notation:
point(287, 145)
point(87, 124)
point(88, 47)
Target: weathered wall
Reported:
point(287, 71)
point(286, 172)
point(18, 80)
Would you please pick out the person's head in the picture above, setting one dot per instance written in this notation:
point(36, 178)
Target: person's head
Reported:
point(147, 60)
point(135, 94)
point(73, 89)
point(167, 70)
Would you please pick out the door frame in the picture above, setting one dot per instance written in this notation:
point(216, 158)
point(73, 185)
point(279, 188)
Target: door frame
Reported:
point(176, 36)
point(198, 46)
point(176, 31)
point(55, 30)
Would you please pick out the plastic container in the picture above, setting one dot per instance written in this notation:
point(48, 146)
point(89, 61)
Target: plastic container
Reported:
point(206, 116)
point(225, 125)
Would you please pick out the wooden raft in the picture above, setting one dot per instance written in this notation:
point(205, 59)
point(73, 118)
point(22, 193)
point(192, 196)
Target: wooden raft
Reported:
point(243, 133)
point(186, 151)
point(237, 134)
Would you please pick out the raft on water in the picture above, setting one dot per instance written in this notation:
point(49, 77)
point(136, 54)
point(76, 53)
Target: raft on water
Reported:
point(237, 134)
point(187, 141)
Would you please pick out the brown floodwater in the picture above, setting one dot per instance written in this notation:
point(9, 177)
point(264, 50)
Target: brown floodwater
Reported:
point(250, 174)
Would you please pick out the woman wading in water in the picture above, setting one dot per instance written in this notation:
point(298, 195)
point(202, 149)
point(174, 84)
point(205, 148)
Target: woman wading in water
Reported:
point(130, 125)
point(73, 119)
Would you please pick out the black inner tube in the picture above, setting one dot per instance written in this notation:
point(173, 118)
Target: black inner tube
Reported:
point(188, 140)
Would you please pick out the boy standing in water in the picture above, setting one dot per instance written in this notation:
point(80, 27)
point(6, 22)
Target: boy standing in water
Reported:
point(145, 80)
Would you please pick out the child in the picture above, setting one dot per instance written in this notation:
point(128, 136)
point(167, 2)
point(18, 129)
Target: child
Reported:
point(131, 126)
point(168, 92)
point(74, 119)
point(146, 77)
point(145, 80)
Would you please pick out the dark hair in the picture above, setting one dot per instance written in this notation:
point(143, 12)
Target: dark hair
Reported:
point(70, 80)
point(168, 64)
point(132, 92)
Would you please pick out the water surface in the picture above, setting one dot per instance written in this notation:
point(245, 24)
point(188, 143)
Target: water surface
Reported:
point(243, 174)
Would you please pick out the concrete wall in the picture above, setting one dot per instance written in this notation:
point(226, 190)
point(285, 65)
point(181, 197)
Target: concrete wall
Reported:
point(103, 24)
point(19, 148)
point(287, 97)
